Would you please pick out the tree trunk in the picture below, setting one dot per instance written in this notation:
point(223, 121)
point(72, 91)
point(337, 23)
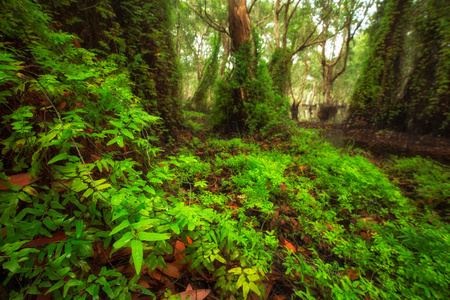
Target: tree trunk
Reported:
point(239, 23)
point(294, 110)
point(226, 53)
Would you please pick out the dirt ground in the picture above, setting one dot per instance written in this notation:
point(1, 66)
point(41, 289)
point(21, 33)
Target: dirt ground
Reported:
point(385, 143)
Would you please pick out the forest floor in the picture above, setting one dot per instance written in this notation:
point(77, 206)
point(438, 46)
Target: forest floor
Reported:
point(280, 216)
point(383, 143)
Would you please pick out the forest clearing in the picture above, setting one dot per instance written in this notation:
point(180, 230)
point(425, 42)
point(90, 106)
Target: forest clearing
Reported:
point(200, 149)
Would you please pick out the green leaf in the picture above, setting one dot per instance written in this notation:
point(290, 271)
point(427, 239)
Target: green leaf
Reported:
point(117, 139)
point(236, 271)
point(87, 193)
point(106, 287)
point(49, 223)
point(12, 266)
point(137, 254)
point(127, 133)
point(240, 281)
point(71, 283)
point(124, 224)
point(123, 240)
point(34, 291)
point(93, 290)
point(245, 289)
point(254, 288)
point(175, 228)
point(55, 286)
point(58, 157)
point(151, 236)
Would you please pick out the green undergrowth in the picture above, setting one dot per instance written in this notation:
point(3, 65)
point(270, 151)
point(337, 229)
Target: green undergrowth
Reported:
point(424, 180)
point(242, 203)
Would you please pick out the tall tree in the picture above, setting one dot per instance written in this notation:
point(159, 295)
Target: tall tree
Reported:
point(294, 32)
point(404, 84)
point(138, 33)
point(348, 15)
point(245, 97)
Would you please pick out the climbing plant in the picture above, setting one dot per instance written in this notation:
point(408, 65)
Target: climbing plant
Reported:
point(404, 82)
point(209, 77)
point(245, 98)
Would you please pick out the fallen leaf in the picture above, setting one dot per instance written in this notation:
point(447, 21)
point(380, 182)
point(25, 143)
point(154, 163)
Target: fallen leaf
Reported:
point(352, 274)
point(279, 297)
point(19, 179)
point(283, 242)
point(179, 246)
point(59, 236)
point(171, 270)
point(95, 157)
point(329, 226)
point(194, 294)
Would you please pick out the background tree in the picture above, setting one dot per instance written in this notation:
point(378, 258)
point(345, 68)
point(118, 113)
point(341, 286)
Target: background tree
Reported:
point(245, 97)
point(148, 52)
point(404, 82)
point(208, 78)
point(344, 22)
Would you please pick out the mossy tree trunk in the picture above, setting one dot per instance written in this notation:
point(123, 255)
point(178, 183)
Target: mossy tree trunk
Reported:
point(138, 33)
point(240, 35)
point(404, 83)
point(199, 101)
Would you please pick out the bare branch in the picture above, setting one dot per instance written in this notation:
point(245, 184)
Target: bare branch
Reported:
point(208, 20)
point(251, 6)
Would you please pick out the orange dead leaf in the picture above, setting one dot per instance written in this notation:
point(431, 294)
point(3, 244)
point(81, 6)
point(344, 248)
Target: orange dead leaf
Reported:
point(194, 294)
point(144, 283)
point(189, 240)
point(352, 274)
point(279, 297)
point(95, 157)
point(43, 296)
point(283, 187)
point(329, 226)
point(160, 277)
point(19, 179)
point(76, 43)
point(283, 242)
point(171, 270)
point(179, 246)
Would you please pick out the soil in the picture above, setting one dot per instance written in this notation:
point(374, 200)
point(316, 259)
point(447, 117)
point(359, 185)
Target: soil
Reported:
point(383, 144)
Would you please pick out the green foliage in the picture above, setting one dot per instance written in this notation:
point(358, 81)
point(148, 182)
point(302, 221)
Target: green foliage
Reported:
point(404, 81)
point(245, 98)
point(280, 67)
point(429, 180)
point(136, 35)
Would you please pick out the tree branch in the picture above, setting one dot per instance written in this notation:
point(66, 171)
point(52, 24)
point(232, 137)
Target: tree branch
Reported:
point(251, 6)
point(208, 20)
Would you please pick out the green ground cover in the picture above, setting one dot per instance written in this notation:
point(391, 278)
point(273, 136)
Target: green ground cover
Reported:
point(279, 216)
